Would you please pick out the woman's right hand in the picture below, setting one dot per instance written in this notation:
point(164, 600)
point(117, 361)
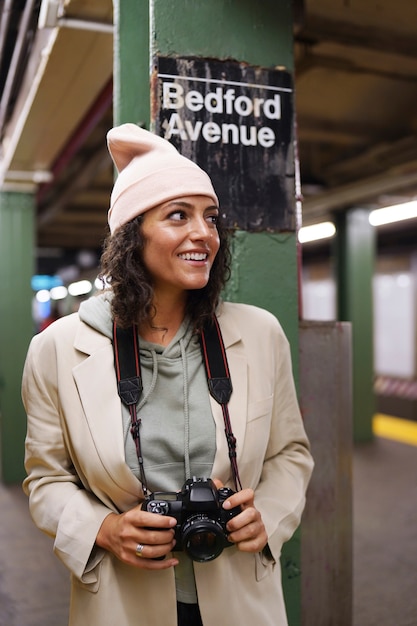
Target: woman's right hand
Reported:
point(122, 533)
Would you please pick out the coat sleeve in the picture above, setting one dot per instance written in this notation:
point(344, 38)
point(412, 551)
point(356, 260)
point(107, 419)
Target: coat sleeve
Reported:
point(287, 467)
point(60, 505)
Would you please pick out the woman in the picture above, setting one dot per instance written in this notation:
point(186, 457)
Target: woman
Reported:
point(166, 261)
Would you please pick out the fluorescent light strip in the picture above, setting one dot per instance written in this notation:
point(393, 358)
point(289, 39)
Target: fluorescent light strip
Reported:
point(395, 213)
point(324, 230)
point(80, 288)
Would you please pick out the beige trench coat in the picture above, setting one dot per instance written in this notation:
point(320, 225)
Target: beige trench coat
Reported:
point(77, 472)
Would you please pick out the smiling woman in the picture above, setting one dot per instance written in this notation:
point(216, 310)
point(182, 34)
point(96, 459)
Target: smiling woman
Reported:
point(163, 421)
point(181, 243)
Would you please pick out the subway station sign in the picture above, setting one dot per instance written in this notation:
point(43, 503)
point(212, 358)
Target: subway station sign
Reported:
point(236, 122)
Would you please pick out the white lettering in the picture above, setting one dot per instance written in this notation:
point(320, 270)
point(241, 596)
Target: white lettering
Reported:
point(230, 130)
point(214, 102)
point(194, 101)
point(272, 108)
point(211, 132)
point(229, 96)
point(257, 106)
point(266, 137)
point(220, 101)
point(175, 127)
point(243, 106)
point(248, 141)
point(193, 133)
point(172, 96)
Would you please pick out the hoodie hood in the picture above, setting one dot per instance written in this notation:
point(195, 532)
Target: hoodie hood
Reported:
point(96, 312)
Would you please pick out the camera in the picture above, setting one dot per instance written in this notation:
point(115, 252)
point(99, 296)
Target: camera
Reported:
point(201, 520)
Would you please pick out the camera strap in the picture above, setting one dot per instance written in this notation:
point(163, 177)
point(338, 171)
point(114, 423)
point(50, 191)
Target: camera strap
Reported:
point(129, 383)
point(219, 383)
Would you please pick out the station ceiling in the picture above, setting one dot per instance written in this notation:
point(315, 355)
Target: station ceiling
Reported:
point(355, 100)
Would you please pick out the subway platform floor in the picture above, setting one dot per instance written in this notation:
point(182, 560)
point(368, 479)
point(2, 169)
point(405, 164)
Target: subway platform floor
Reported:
point(34, 585)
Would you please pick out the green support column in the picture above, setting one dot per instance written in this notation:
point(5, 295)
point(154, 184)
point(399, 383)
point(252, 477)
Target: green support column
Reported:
point(16, 326)
point(265, 264)
point(355, 258)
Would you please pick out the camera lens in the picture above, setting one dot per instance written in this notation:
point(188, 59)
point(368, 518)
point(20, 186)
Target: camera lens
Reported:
point(202, 538)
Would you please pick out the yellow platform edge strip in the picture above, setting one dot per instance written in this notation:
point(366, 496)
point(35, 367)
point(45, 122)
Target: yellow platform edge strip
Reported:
point(395, 428)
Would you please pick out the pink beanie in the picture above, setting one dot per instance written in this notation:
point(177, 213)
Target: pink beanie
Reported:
point(151, 171)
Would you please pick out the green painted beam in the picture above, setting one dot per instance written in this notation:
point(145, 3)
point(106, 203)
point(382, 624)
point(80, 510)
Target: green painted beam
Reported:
point(16, 325)
point(265, 264)
point(354, 251)
point(259, 33)
point(265, 274)
point(131, 77)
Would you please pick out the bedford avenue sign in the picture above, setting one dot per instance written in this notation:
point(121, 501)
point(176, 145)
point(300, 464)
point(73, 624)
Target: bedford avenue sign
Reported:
point(235, 121)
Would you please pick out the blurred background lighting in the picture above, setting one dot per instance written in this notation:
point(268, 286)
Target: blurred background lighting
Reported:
point(324, 230)
point(394, 213)
point(58, 293)
point(98, 284)
point(44, 281)
point(43, 295)
point(80, 288)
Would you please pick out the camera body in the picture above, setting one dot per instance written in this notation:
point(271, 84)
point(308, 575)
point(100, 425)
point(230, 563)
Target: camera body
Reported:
point(201, 519)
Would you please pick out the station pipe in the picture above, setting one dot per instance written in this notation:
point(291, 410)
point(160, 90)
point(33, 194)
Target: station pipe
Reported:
point(16, 57)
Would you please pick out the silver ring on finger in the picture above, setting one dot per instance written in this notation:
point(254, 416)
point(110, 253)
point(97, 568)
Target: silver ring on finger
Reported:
point(139, 550)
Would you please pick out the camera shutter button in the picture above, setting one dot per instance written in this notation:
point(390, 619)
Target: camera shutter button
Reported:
point(158, 507)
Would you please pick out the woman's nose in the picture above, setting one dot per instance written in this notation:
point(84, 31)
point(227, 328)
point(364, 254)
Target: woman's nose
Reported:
point(200, 229)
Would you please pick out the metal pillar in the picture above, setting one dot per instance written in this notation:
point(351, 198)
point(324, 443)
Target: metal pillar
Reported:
point(326, 403)
point(355, 256)
point(259, 34)
point(16, 326)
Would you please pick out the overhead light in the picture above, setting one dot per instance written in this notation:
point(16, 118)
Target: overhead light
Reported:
point(35, 176)
point(101, 283)
point(394, 213)
point(80, 288)
point(43, 295)
point(324, 230)
point(58, 293)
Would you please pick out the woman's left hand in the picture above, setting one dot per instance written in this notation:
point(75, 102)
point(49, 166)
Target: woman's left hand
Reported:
point(247, 529)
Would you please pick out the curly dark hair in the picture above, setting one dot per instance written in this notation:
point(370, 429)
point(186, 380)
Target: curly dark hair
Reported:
point(122, 267)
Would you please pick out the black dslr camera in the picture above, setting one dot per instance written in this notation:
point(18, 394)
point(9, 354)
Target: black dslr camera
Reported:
point(201, 519)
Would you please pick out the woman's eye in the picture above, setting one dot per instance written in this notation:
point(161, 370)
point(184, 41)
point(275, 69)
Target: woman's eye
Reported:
point(213, 219)
point(177, 215)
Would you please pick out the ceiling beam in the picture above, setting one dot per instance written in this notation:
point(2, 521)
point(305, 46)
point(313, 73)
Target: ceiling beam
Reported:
point(88, 168)
point(316, 28)
point(308, 61)
point(89, 218)
point(380, 157)
point(325, 130)
point(83, 238)
point(360, 192)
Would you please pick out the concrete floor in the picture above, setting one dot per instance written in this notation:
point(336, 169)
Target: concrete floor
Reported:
point(385, 534)
point(34, 586)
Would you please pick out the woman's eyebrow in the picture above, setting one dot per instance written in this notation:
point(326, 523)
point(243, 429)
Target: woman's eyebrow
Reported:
point(188, 205)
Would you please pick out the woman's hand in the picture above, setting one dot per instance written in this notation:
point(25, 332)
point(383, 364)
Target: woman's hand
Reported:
point(123, 534)
point(246, 530)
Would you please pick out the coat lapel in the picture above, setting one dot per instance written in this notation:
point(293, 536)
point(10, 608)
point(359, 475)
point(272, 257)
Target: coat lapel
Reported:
point(96, 383)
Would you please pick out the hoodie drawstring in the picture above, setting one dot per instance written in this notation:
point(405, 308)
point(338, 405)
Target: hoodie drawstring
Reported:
point(186, 413)
point(147, 394)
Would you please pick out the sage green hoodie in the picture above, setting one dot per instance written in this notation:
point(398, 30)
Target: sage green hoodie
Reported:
point(177, 430)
